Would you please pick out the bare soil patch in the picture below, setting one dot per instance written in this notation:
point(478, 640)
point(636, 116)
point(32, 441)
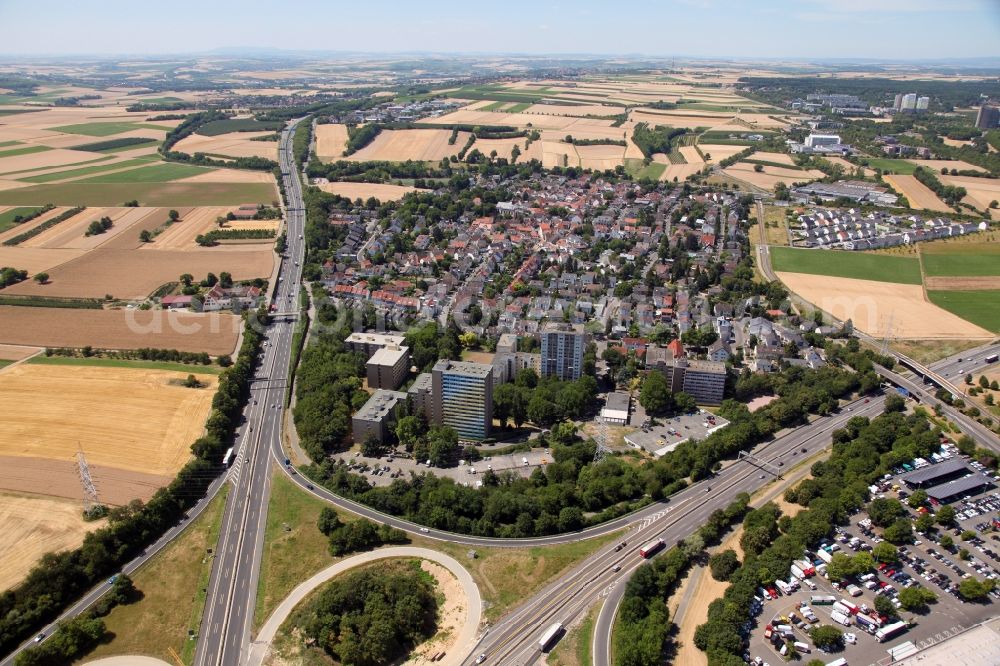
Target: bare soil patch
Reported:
point(872, 306)
point(451, 615)
point(718, 151)
point(982, 282)
point(213, 333)
point(381, 191)
point(17, 352)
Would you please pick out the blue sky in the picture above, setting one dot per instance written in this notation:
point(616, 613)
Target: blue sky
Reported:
point(896, 29)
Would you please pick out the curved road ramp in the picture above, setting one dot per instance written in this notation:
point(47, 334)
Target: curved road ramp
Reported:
point(467, 637)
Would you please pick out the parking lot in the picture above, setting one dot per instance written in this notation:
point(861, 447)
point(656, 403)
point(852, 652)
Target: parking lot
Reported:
point(926, 562)
point(384, 470)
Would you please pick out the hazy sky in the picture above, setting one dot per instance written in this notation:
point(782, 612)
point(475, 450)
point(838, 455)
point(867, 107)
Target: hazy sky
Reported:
point(898, 29)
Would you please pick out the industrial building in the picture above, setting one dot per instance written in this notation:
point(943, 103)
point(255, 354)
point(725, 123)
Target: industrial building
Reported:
point(988, 117)
point(388, 366)
point(936, 474)
point(462, 398)
point(616, 408)
point(376, 417)
point(562, 350)
point(816, 140)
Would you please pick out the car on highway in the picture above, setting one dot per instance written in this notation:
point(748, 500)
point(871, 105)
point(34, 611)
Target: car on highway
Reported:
point(310, 486)
point(40, 637)
point(481, 658)
point(616, 568)
point(424, 530)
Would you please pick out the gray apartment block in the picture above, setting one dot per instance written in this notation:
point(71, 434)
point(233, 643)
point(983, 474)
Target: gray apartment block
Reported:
point(462, 398)
point(388, 366)
point(369, 343)
point(562, 350)
point(377, 416)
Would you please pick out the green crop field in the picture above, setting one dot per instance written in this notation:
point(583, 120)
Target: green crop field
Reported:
point(961, 259)
point(106, 129)
point(191, 368)
point(157, 173)
point(217, 127)
point(5, 144)
point(7, 218)
point(495, 106)
point(148, 194)
point(26, 150)
point(15, 174)
point(982, 308)
point(120, 144)
point(518, 108)
point(892, 166)
point(86, 171)
point(836, 263)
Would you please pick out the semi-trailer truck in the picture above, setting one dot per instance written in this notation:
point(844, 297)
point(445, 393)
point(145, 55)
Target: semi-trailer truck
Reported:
point(651, 548)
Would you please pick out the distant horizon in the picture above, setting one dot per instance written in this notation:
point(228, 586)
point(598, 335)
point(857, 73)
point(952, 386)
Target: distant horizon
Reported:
point(893, 31)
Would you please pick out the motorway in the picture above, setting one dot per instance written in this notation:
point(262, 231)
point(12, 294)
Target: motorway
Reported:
point(514, 639)
point(227, 624)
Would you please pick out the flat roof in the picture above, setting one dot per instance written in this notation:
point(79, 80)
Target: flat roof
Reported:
point(381, 403)
point(674, 432)
point(463, 368)
point(978, 646)
point(959, 486)
point(389, 355)
point(618, 401)
point(932, 472)
point(376, 339)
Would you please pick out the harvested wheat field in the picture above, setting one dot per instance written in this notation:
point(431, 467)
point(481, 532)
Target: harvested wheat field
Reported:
point(777, 158)
point(718, 151)
point(72, 232)
point(937, 165)
point(601, 157)
point(232, 144)
point(680, 171)
point(427, 145)
point(918, 194)
point(674, 120)
point(34, 260)
point(230, 176)
point(212, 332)
point(981, 191)
point(848, 167)
point(691, 155)
point(47, 158)
point(129, 418)
point(138, 273)
point(967, 283)
point(770, 176)
point(503, 147)
point(331, 140)
point(872, 305)
point(31, 526)
point(17, 352)
point(192, 222)
point(381, 191)
point(558, 154)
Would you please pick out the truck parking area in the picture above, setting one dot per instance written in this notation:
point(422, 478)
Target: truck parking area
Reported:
point(808, 598)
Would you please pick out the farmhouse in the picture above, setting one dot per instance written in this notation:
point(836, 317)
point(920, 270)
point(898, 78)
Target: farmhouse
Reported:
point(240, 297)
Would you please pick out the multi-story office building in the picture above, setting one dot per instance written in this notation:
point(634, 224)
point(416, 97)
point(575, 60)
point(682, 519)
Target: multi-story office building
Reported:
point(375, 419)
point(909, 102)
point(988, 117)
point(562, 350)
point(816, 140)
point(388, 367)
point(705, 381)
point(462, 398)
point(369, 343)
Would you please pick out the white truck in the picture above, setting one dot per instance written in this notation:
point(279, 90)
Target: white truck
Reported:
point(841, 618)
point(823, 555)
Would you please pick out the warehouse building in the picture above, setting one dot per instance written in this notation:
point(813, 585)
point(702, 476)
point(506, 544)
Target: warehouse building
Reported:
point(936, 474)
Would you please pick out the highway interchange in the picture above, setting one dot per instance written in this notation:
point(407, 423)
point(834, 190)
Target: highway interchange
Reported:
point(226, 631)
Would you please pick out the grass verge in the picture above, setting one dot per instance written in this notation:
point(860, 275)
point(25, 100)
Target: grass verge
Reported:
point(575, 647)
point(173, 586)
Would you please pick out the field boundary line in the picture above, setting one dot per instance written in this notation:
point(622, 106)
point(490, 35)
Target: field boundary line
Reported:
point(20, 361)
point(923, 275)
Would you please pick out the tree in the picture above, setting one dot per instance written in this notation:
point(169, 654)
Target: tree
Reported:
point(946, 541)
point(972, 589)
point(758, 168)
point(883, 512)
point(543, 412)
point(225, 280)
point(655, 395)
point(840, 567)
point(469, 340)
point(894, 403)
point(442, 445)
point(827, 637)
point(945, 516)
point(924, 523)
point(884, 606)
point(915, 599)
point(723, 564)
point(409, 430)
point(186, 279)
point(145, 236)
point(885, 552)
point(899, 532)
point(509, 404)
point(41, 278)
point(173, 215)
point(917, 499)
point(192, 382)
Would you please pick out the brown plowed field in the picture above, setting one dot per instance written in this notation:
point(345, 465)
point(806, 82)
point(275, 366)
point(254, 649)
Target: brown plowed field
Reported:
point(213, 333)
point(127, 418)
point(137, 273)
point(17, 352)
point(115, 486)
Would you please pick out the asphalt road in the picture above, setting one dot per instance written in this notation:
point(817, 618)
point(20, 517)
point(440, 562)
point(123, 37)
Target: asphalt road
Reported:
point(227, 623)
point(515, 639)
point(972, 361)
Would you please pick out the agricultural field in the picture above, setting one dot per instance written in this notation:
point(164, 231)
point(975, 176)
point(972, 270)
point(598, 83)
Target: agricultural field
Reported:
point(31, 526)
point(887, 165)
point(771, 175)
point(382, 192)
point(233, 144)
point(981, 307)
point(192, 193)
point(937, 165)
point(429, 145)
point(960, 259)
point(919, 195)
point(331, 141)
point(56, 410)
point(714, 152)
point(835, 263)
point(981, 191)
point(887, 309)
point(106, 129)
point(213, 333)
